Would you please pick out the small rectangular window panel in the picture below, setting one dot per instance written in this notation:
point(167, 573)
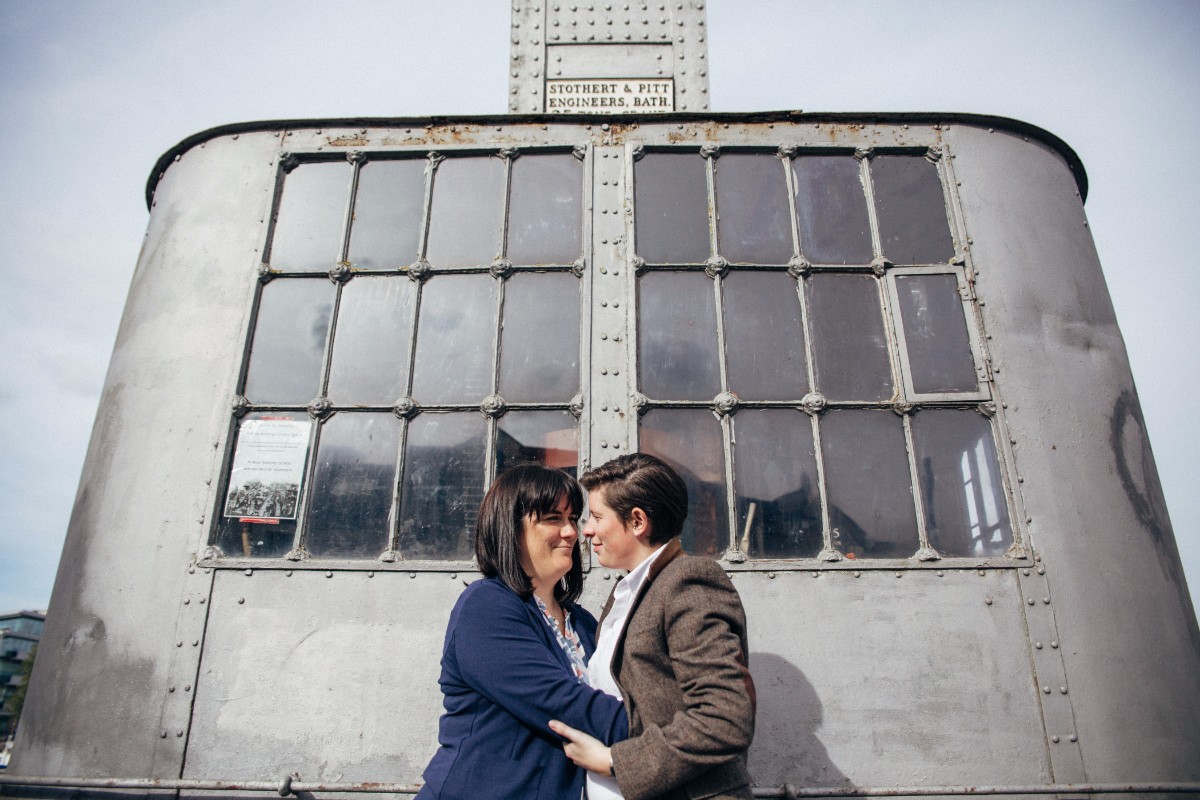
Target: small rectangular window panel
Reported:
point(311, 216)
point(545, 217)
point(288, 350)
point(466, 219)
point(753, 216)
point(385, 229)
point(671, 208)
point(831, 210)
point(913, 225)
point(677, 336)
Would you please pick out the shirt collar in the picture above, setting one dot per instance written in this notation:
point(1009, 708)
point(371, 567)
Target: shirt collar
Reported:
point(632, 582)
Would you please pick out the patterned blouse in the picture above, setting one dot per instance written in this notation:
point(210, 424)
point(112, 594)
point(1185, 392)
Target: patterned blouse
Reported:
point(570, 643)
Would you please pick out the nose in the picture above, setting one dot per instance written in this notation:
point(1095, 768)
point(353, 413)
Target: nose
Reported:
point(569, 532)
point(588, 530)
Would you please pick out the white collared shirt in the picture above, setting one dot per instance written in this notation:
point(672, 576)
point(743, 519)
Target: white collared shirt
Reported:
point(603, 787)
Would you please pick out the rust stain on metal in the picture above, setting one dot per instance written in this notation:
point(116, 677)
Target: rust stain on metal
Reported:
point(357, 140)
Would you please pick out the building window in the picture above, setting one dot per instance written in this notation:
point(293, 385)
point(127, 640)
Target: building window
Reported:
point(808, 359)
point(415, 331)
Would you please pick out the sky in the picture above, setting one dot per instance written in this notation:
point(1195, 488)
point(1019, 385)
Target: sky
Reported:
point(91, 93)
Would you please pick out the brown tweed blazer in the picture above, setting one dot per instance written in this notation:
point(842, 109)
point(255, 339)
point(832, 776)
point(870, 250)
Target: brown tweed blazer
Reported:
point(681, 665)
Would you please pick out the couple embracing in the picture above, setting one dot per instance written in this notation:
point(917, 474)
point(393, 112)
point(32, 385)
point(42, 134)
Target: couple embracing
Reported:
point(654, 701)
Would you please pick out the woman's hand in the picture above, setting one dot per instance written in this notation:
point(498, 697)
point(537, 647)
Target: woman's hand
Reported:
point(586, 751)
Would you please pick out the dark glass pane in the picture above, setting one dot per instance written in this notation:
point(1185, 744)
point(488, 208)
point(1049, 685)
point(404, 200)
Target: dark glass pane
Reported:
point(350, 513)
point(312, 214)
point(442, 485)
point(935, 334)
point(871, 510)
point(831, 210)
point(965, 509)
point(289, 341)
point(764, 336)
point(677, 336)
point(386, 229)
point(548, 438)
point(539, 345)
point(467, 212)
point(911, 209)
point(371, 343)
point(850, 349)
point(258, 519)
point(689, 439)
point(753, 218)
point(670, 202)
point(545, 217)
point(778, 500)
point(455, 339)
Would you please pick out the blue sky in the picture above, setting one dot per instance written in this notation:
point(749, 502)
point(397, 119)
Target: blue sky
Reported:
point(91, 93)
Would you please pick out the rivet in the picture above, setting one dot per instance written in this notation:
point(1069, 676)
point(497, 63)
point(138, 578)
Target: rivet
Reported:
point(412, 574)
point(1046, 600)
point(607, 576)
point(1020, 479)
point(1054, 645)
point(249, 572)
point(453, 575)
point(187, 687)
point(616, 271)
point(616, 303)
point(816, 574)
point(604, 372)
point(371, 574)
point(179, 734)
point(179, 644)
point(899, 574)
point(604, 336)
point(771, 575)
point(982, 572)
point(191, 570)
point(195, 643)
point(288, 573)
point(857, 574)
point(604, 445)
point(1029, 600)
point(241, 600)
point(328, 573)
point(604, 304)
point(202, 600)
point(987, 601)
point(604, 127)
point(1062, 690)
point(1041, 570)
point(170, 688)
point(162, 735)
point(1073, 738)
point(616, 372)
point(187, 601)
point(1025, 572)
point(604, 407)
point(941, 573)
point(1054, 739)
point(604, 270)
point(1046, 689)
point(1038, 645)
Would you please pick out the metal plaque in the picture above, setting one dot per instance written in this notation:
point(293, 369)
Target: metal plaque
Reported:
point(610, 96)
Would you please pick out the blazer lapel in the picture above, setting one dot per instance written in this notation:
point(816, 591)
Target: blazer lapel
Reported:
point(671, 551)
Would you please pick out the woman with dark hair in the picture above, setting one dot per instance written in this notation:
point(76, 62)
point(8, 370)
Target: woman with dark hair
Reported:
point(516, 651)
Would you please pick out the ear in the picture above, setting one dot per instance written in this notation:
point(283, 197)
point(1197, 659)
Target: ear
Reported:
point(639, 523)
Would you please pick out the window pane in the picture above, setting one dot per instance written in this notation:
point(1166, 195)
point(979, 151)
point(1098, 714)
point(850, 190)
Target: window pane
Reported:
point(912, 210)
point(764, 336)
point(455, 339)
point(850, 349)
point(671, 208)
point(269, 461)
point(545, 218)
point(289, 341)
point(385, 232)
point(468, 208)
point(442, 485)
point(965, 509)
point(778, 501)
point(548, 438)
point(539, 351)
point(312, 214)
point(831, 210)
point(935, 334)
point(689, 439)
point(371, 343)
point(871, 508)
point(350, 513)
point(752, 209)
point(677, 336)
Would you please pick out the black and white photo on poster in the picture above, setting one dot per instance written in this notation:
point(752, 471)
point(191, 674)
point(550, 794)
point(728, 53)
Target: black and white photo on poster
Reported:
point(268, 467)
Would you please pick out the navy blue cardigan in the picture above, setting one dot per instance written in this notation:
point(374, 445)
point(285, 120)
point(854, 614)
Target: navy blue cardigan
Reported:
point(503, 678)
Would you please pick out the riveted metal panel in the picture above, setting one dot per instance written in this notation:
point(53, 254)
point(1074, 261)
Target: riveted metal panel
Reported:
point(554, 40)
point(874, 677)
point(329, 674)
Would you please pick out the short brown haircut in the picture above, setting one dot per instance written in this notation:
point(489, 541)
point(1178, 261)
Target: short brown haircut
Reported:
point(519, 493)
point(639, 480)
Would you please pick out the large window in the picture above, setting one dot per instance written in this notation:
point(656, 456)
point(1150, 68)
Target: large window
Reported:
point(807, 356)
point(793, 329)
point(416, 330)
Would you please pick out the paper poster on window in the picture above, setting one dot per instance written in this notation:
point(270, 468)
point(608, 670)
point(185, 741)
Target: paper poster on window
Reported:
point(268, 468)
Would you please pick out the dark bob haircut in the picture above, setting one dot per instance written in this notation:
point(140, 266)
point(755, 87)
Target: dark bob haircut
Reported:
point(638, 480)
point(519, 493)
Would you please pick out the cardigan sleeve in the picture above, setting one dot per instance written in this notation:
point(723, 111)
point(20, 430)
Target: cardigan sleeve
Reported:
point(501, 654)
point(703, 621)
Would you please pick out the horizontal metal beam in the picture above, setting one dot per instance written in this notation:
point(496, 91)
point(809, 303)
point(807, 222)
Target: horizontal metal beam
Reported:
point(292, 785)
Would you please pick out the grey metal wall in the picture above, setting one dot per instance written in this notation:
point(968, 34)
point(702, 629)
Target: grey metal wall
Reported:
point(1080, 663)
